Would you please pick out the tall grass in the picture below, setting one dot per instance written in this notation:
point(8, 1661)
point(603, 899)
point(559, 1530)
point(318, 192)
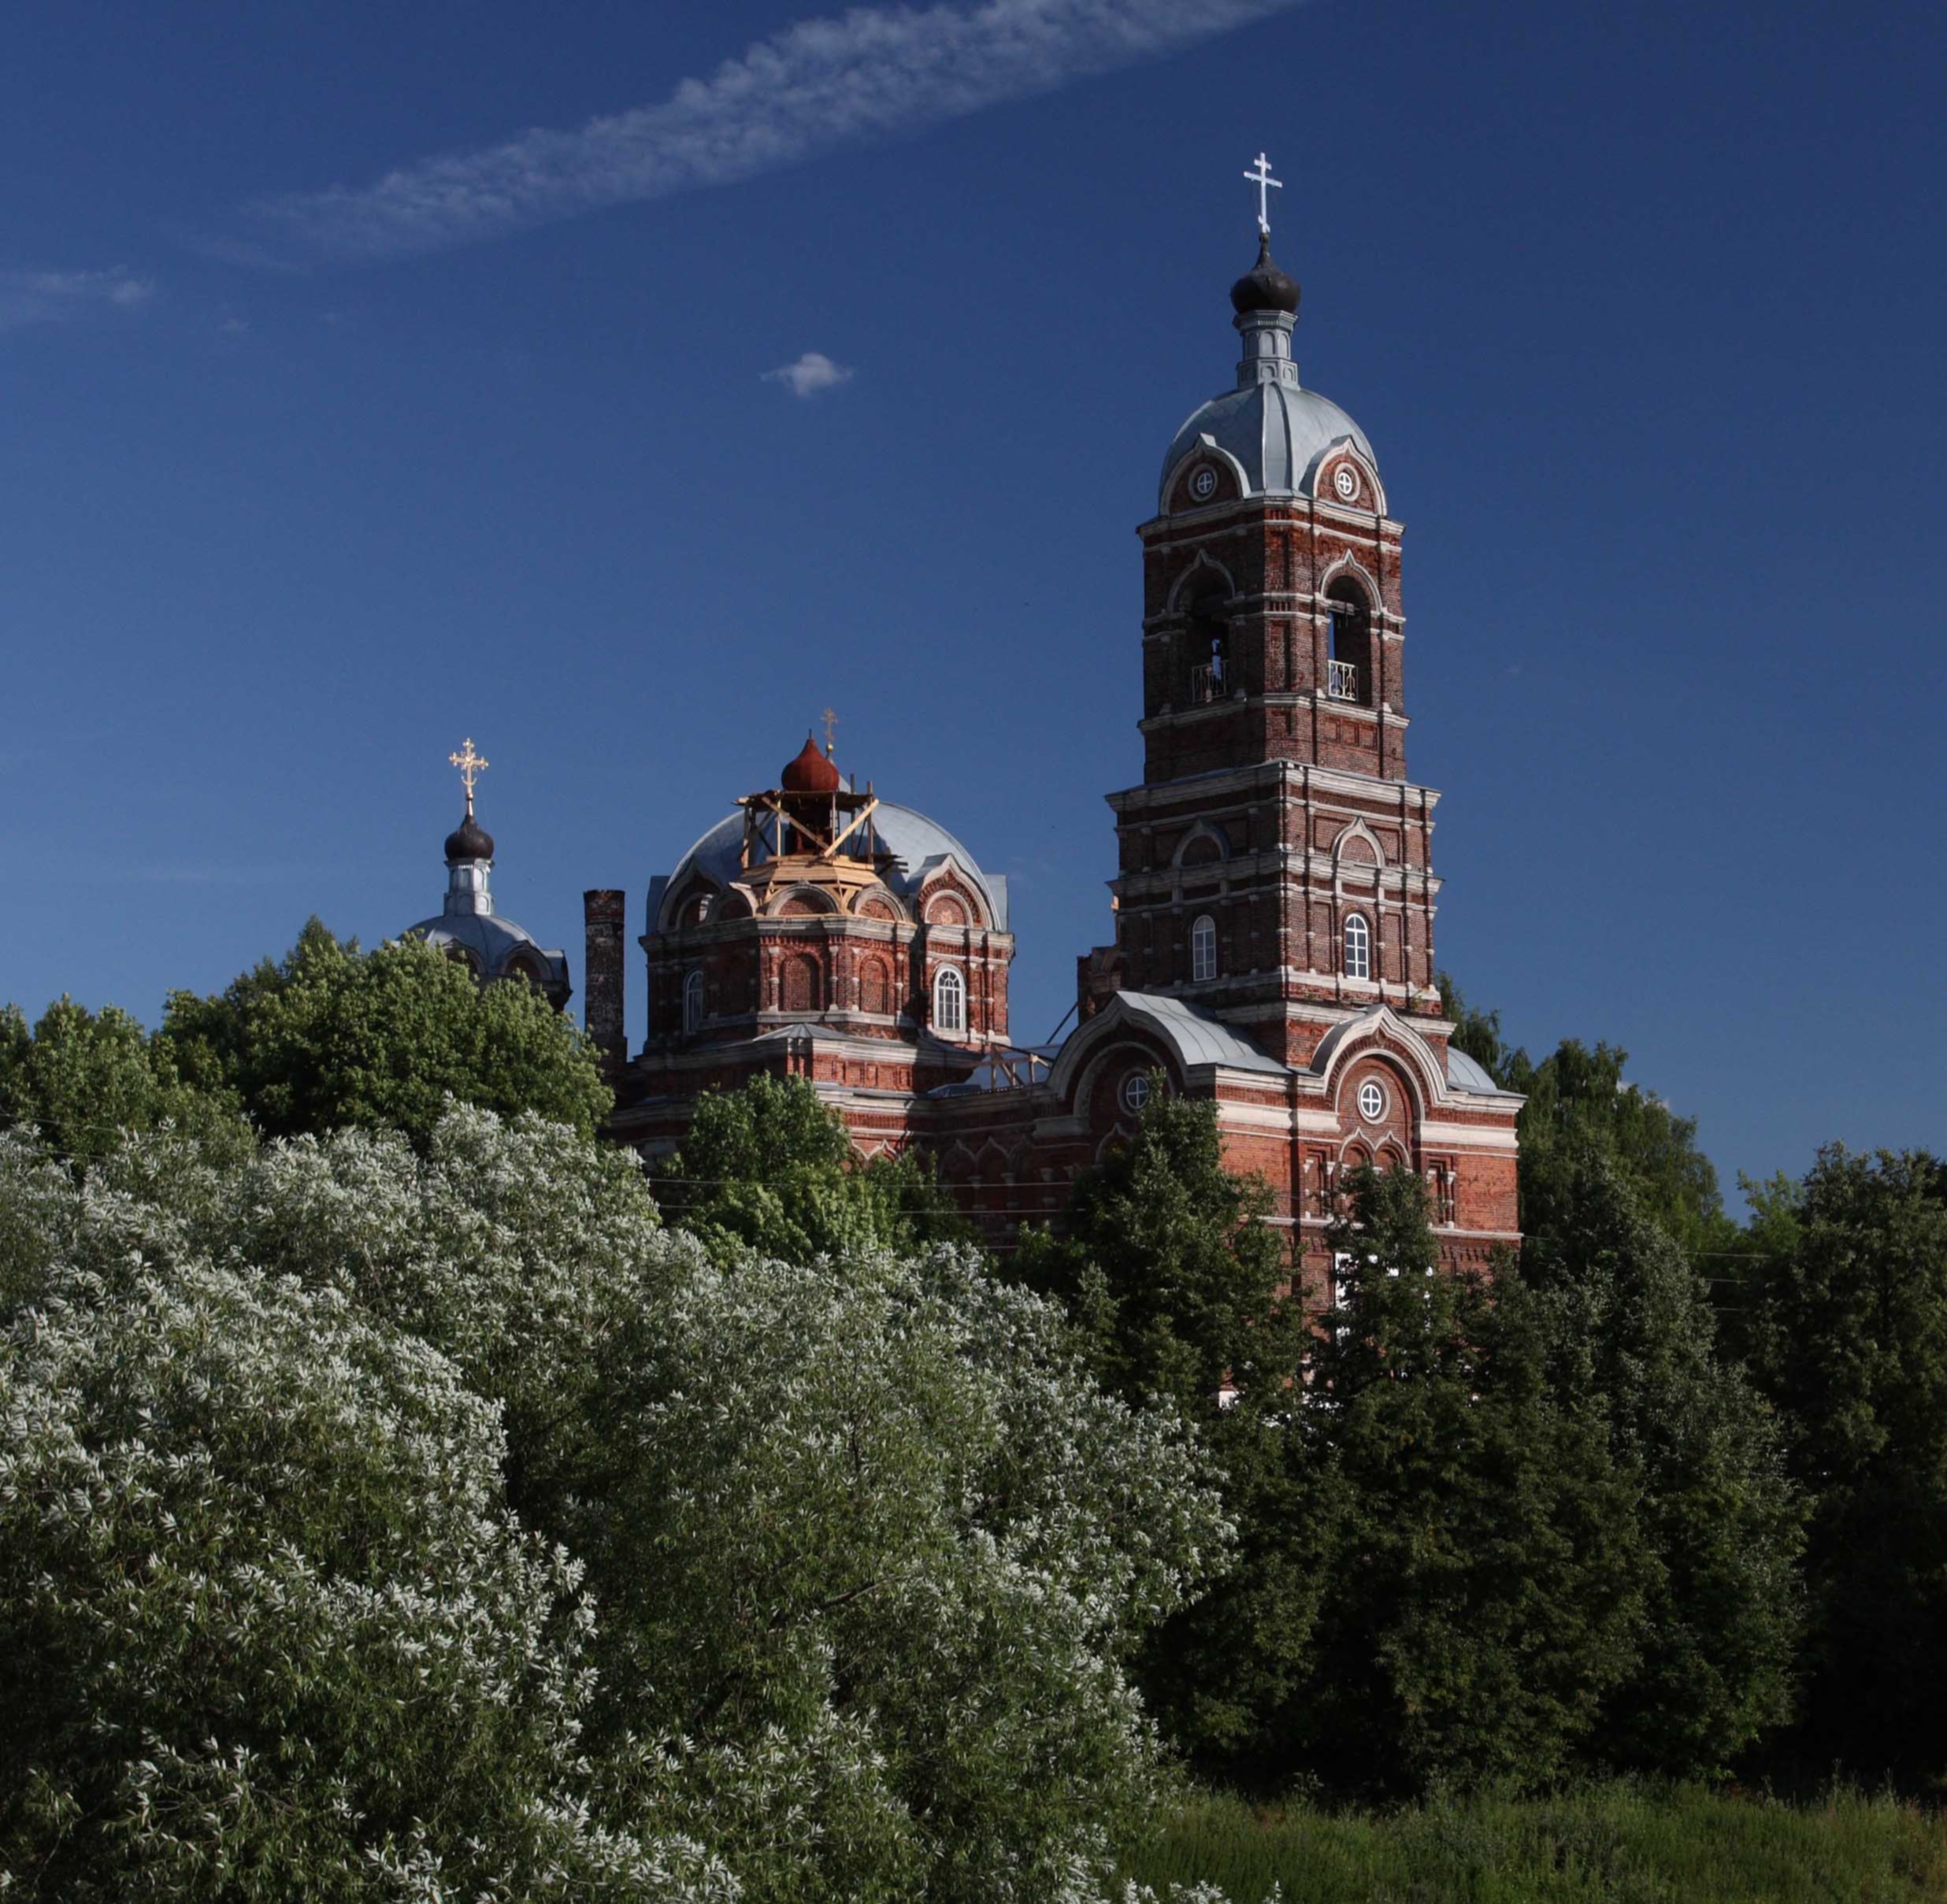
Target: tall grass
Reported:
point(1611, 1844)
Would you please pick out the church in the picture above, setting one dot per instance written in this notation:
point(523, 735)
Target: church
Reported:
point(1271, 945)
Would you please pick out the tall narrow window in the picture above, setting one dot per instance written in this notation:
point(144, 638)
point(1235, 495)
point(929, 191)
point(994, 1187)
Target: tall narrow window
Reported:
point(693, 1002)
point(949, 1002)
point(1204, 949)
point(1348, 665)
point(1358, 948)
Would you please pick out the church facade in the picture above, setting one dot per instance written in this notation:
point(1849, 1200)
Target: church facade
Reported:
point(1273, 906)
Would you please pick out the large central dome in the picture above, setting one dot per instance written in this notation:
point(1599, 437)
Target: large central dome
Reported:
point(1278, 433)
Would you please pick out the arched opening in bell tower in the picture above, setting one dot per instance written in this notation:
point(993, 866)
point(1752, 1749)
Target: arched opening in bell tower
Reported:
point(1349, 653)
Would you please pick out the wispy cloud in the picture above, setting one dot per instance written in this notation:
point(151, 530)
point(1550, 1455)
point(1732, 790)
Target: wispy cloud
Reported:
point(858, 76)
point(48, 296)
point(812, 372)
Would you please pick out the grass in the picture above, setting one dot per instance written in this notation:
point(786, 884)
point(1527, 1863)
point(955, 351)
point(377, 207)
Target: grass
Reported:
point(1612, 1844)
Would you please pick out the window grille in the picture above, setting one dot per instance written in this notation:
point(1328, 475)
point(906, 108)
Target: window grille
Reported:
point(949, 1001)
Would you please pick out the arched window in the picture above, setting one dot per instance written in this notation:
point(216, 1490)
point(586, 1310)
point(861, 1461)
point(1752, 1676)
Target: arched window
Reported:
point(693, 1001)
point(949, 1001)
point(1348, 666)
point(1204, 949)
point(1358, 948)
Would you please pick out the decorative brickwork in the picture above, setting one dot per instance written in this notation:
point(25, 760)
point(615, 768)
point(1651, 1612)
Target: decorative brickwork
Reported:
point(1274, 903)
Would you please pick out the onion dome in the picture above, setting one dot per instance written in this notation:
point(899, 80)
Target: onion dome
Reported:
point(468, 840)
point(811, 772)
point(1264, 288)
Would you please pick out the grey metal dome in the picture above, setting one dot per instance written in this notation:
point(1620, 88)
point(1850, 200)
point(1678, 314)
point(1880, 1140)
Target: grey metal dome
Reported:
point(1279, 433)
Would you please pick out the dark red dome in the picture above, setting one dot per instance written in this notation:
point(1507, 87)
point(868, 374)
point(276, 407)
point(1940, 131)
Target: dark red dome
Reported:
point(811, 772)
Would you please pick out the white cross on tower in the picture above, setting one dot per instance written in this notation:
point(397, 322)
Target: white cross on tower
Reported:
point(1260, 177)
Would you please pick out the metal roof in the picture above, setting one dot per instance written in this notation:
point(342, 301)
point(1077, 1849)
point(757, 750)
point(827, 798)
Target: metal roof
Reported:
point(1276, 430)
point(1197, 1037)
point(916, 844)
point(1465, 1074)
point(491, 939)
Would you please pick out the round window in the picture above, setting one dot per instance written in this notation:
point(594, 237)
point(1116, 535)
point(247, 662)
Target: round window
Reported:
point(1136, 1091)
point(1372, 1100)
point(1203, 483)
point(1345, 481)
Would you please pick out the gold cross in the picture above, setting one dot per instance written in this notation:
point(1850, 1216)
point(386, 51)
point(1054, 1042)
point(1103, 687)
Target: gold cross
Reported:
point(471, 766)
point(831, 722)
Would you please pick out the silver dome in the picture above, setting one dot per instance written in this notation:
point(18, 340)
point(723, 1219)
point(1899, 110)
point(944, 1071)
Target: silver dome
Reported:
point(1279, 433)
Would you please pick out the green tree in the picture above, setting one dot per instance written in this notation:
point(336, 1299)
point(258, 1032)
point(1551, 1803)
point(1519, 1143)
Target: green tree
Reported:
point(867, 1550)
point(1577, 1096)
point(79, 1079)
point(270, 1632)
point(330, 1036)
point(1477, 1033)
point(1177, 1285)
point(1633, 1328)
point(1849, 1337)
point(1484, 1585)
point(770, 1169)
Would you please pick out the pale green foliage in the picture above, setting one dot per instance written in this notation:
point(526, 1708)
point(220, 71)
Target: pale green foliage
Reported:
point(330, 1036)
point(272, 1633)
point(865, 1549)
point(79, 1079)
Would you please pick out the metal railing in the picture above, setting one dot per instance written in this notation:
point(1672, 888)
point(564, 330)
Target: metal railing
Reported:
point(1342, 680)
point(1207, 683)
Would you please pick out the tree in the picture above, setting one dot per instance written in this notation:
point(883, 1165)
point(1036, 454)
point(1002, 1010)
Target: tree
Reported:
point(1484, 1587)
point(1632, 1328)
point(1477, 1033)
point(330, 1036)
point(1177, 1285)
point(1849, 1337)
point(80, 1079)
point(1577, 1096)
point(271, 1632)
point(865, 1549)
point(770, 1169)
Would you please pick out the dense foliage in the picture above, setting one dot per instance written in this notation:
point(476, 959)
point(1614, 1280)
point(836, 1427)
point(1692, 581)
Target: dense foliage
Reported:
point(329, 1036)
point(1848, 1327)
point(1490, 1529)
point(769, 1169)
point(1176, 1286)
point(1578, 1100)
point(79, 1079)
point(439, 1521)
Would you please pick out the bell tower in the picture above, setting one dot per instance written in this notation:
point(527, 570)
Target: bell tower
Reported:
point(1275, 864)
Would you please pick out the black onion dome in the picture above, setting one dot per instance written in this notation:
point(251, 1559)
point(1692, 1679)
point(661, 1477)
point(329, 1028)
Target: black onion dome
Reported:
point(1264, 288)
point(468, 840)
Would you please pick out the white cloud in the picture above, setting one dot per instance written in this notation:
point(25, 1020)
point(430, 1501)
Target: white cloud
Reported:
point(47, 297)
point(812, 372)
point(842, 80)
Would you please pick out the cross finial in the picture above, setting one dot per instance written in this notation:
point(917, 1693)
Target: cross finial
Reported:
point(471, 766)
point(1260, 177)
point(831, 725)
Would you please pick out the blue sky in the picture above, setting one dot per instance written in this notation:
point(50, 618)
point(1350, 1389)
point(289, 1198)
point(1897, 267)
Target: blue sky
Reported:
point(375, 377)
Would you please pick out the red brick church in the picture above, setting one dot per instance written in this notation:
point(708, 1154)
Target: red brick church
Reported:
point(1272, 944)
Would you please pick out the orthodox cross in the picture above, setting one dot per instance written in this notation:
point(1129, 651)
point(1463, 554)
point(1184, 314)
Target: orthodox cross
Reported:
point(471, 766)
point(831, 724)
point(1260, 177)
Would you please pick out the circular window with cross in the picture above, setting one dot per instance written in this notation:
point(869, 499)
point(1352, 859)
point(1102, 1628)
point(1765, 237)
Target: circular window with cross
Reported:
point(1372, 1100)
point(1137, 1091)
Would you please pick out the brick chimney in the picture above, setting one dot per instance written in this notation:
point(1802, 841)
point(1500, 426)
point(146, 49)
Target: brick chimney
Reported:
point(602, 911)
